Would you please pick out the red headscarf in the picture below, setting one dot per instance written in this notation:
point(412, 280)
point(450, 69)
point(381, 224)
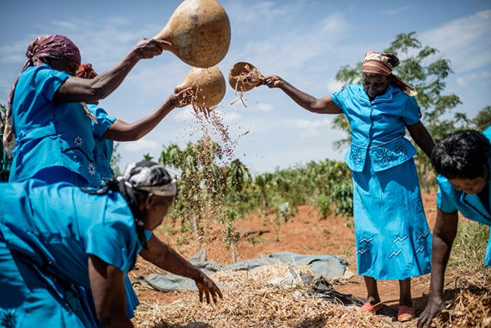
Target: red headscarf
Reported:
point(47, 46)
point(383, 64)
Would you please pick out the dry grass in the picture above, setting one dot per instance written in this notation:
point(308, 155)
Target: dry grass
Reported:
point(469, 302)
point(249, 301)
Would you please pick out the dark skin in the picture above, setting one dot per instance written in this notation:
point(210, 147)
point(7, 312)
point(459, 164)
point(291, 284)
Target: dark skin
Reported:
point(374, 85)
point(76, 89)
point(444, 234)
point(107, 282)
point(122, 131)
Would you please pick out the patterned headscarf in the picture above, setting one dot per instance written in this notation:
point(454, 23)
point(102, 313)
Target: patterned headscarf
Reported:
point(48, 46)
point(383, 64)
point(142, 177)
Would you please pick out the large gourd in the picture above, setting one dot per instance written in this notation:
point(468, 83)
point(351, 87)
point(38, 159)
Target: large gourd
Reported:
point(199, 31)
point(244, 76)
point(208, 85)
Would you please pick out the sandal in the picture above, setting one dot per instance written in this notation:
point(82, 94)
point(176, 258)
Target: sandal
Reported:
point(405, 313)
point(368, 307)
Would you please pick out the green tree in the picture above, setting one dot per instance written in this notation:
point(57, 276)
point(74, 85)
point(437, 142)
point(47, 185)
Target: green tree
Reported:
point(202, 183)
point(5, 160)
point(115, 160)
point(482, 119)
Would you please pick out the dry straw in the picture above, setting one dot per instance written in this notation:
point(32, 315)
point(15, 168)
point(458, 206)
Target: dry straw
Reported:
point(250, 301)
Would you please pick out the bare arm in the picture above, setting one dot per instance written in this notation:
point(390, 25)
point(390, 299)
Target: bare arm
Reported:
point(444, 234)
point(422, 137)
point(76, 89)
point(324, 105)
point(122, 131)
point(167, 259)
point(107, 286)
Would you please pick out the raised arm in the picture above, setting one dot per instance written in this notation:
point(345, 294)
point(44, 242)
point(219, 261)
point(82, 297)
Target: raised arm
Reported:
point(167, 259)
point(324, 105)
point(107, 286)
point(422, 137)
point(122, 131)
point(76, 89)
point(444, 234)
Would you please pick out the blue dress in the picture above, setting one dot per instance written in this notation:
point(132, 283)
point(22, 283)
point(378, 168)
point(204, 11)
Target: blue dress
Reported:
point(47, 232)
point(393, 240)
point(54, 141)
point(103, 147)
point(102, 156)
point(450, 200)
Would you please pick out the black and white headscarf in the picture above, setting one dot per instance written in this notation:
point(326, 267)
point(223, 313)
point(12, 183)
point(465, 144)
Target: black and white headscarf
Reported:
point(140, 178)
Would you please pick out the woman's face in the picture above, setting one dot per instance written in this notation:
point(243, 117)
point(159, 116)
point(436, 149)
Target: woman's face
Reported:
point(469, 186)
point(374, 84)
point(155, 208)
point(68, 66)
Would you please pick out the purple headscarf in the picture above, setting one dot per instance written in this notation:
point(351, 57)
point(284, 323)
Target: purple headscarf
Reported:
point(48, 46)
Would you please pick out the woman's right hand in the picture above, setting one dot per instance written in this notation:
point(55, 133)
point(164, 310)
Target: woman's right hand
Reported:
point(181, 98)
point(149, 48)
point(273, 81)
point(206, 286)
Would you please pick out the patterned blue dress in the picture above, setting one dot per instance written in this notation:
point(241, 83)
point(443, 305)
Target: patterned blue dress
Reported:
point(54, 141)
point(450, 200)
point(103, 147)
point(57, 142)
point(47, 232)
point(393, 240)
point(102, 157)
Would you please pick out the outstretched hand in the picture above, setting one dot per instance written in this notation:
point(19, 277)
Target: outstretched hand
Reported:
point(433, 308)
point(206, 286)
point(149, 48)
point(273, 81)
point(181, 99)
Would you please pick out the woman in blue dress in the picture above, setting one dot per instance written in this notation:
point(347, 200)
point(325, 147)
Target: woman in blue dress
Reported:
point(48, 128)
point(108, 128)
point(462, 160)
point(56, 239)
point(392, 236)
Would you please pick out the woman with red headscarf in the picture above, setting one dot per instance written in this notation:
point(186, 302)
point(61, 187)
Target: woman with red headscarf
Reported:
point(48, 127)
point(392, 236)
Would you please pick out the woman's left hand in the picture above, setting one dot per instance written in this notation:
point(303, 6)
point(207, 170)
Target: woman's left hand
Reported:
point(206, 286)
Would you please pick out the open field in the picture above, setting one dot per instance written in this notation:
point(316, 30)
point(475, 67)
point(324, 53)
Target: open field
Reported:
point(254, 303)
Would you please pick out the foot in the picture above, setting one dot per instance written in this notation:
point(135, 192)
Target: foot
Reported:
point(405, 313)
point(372, 308)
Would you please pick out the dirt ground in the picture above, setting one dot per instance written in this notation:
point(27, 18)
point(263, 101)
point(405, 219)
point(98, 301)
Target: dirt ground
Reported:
point(305, 233)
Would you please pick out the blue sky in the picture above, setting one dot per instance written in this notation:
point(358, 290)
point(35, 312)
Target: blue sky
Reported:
point(303, 41)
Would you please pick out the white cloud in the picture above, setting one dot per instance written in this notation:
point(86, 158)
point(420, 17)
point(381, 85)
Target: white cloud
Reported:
point(230, 117)
point(333, 85)
point(184, 114)
point(313, 124)
point(465, 41)
point(335, 24)
point(395, 11)
point(265, 107)
point(466, 80)
point(141, 146)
